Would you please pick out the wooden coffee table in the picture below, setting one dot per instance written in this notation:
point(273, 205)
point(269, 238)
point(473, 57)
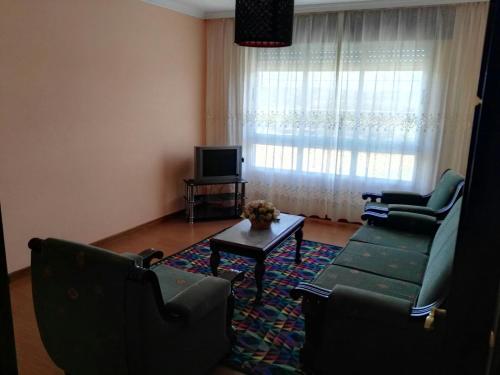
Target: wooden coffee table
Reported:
point(240, 239)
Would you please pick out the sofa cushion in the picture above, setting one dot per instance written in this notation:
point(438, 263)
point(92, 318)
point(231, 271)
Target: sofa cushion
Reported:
point(334, 275)
point(403, 240)
point(438, 271)
point(376, 206)
point(384, 261)
point(445, 189)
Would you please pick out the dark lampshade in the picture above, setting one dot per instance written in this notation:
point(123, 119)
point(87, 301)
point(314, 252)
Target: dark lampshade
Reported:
point(264, 23)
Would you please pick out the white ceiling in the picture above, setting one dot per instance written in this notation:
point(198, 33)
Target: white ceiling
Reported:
point(211, 6)
point(225, 8)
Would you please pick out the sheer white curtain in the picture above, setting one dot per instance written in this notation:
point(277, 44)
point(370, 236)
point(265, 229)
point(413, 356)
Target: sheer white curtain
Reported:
point(356, 104)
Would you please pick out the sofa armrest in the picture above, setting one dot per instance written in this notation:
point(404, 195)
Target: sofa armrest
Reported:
point(402, 197)
point(366, 305)
point(373, 217)
point(412, 222)
point(144, 258)
point(148, 255)
point(424, 210)
point(198, 300)
point(371, 196)
point(307, 289)
point(134, 257)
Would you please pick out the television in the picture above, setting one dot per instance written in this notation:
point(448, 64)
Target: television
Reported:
point(217, 163)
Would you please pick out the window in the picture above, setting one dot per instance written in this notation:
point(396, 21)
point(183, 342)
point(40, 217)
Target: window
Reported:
point(313, 118)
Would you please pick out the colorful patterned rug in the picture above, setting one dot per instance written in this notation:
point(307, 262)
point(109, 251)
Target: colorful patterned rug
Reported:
point(269, 335)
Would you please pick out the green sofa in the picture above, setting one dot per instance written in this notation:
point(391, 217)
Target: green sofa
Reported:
point(100, 312)
point(365, 313)
point(438, 203)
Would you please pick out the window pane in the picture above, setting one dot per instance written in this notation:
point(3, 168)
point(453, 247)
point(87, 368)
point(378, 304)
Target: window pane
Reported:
point(385, 166)
point(278, 91)
point(277, 157)
point(392, 91)
point(317, 160)
point(322, 90)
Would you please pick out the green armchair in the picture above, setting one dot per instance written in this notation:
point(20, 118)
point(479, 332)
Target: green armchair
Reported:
point(99, 312)
point(437, 204)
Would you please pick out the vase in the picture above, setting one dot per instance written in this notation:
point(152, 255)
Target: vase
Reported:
point(260, 225)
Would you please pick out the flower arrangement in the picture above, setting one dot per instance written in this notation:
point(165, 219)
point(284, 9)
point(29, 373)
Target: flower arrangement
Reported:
point(260, 213)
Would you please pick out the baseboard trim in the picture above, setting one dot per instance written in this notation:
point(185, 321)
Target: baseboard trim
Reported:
point(20, 274)
point(139, 227)
point(26, 272)
point(326, 218)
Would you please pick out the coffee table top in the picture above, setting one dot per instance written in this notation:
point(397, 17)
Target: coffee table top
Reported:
point(241, 234)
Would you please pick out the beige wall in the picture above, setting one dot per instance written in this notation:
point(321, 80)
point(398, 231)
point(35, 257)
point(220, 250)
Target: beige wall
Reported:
point(101, 103)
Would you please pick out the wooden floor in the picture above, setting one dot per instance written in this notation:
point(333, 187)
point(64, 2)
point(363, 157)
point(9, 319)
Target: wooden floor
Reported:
point(170, 235)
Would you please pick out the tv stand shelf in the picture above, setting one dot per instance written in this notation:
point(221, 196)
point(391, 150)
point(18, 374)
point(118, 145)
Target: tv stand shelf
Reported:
point(203, 205)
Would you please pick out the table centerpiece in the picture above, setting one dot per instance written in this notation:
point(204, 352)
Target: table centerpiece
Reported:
point(261, 214)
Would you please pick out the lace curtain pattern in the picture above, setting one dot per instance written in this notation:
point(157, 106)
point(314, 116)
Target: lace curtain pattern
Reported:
point(358, 103)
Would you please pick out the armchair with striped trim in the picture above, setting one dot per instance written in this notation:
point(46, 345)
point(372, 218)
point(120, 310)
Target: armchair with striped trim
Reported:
point(437, 204)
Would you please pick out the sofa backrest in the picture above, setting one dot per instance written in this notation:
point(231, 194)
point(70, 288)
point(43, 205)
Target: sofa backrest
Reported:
point(438, 272)
point(79, 297)
point(445, 190)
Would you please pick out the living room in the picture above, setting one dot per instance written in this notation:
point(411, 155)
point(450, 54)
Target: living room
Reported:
point(103, 104)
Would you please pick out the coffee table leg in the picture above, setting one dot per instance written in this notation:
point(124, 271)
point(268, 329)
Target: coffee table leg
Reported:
point(214, 261)
point(299, 235)
point(259, 275)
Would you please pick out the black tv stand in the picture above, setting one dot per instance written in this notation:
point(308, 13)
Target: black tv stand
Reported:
point(203, 205)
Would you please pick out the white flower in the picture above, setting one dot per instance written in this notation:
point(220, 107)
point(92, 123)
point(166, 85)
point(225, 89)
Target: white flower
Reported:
point(260, 210)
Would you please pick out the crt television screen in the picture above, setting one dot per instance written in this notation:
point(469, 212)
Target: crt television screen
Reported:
point(219, 163)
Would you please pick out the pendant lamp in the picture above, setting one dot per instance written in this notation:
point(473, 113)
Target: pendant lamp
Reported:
point(264, 23)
